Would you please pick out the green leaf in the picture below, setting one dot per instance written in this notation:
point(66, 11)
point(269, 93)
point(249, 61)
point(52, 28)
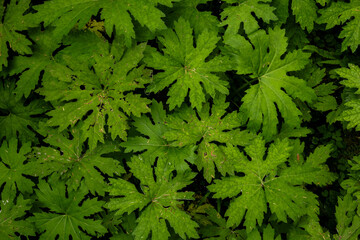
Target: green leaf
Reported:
point(348, 13)
point(14, 163)
point(12, 22)
point(187, 68)
point(314, 170)
point(199, 20)
point(267, 234)
point(97, 86)
point(64, 15)
point(306, 228)
point(281, 10)
point(241, 12)
point(118, 15)
point(153, 141)
point(68, 160)
point(352, 80)
point(348, 226)
point(213, 126)
point(30, 67)
point(305, 13)
point(157, 202)
point(66, 215)
point(351, 75)
point(297, 37)
point(217, 230)
point(351, 184)
point(325, 101)
point(13, 210)
point(127, 227)
point(268, 65)
point(268, 183)
point(17, 116)
point(323, 2)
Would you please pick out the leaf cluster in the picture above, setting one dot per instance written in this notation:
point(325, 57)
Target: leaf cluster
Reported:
point(179, 119)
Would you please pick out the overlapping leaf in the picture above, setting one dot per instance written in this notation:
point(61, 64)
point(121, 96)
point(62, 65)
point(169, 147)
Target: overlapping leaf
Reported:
point(348, 13)
point(16, 116)
point(199, 20)
point(241, 12)
point(158, 200)
point(32, 67)
point(68, 159)
point(212, 127)
point(268, 233)
point(69, 213)
point(324, 91)
point(14, 163)
point(268, 183)
point(305, 13)
point(12, 22)
point(352, 80)
point(96, 85)
point(306, 228)
point(267, 63)
point(215, 228)
point(154, 142)
point(185, 68)
point(13, 210)
point(352, 184)
point(348, 226)
point(64, 15)
point(127, 227)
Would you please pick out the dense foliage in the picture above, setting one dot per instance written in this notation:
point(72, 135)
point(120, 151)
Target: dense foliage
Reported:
point(179, 119)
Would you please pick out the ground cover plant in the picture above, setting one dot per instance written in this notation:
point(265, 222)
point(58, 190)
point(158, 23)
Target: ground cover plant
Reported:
point(179, 119)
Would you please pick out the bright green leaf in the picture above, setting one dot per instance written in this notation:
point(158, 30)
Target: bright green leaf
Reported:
point(352, 80)
point(348, 222)
point(157, 202)
point(97, 85)
point(267, 65)
point(305, 13)
point(212, 127)
point(268, 183)
point(242, 13)
point(187, 68)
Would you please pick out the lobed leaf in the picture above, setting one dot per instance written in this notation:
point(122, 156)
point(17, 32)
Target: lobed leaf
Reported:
point(187, 68)
point(268, 65)
point(99, 89)
point(12, 22)
point(18, 119)
point(68, 159)
point(242, 13)
point(213, 126)
point(66, 211)
point(159, 199)
point(152, 142)
point(348, 13)
point(14, 163)
point(268, 183)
